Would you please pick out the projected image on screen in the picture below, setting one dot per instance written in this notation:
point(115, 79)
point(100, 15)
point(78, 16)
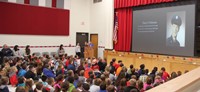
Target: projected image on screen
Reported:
point(166, 30)
point(176, 29)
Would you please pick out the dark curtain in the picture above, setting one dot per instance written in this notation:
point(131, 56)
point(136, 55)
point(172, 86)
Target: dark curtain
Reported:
point(124, 33)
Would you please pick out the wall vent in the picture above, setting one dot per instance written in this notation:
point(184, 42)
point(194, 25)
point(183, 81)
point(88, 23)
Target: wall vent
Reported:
point(97, 1)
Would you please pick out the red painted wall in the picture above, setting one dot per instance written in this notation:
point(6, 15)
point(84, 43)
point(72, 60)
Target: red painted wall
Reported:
point(33, 20)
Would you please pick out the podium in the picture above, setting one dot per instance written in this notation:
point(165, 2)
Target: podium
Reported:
point(88, 52)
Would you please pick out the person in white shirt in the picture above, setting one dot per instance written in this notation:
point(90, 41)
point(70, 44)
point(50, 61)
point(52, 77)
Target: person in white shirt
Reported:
point(61, 50)
point(16, 51)
point(78, 50)
point(96, 86)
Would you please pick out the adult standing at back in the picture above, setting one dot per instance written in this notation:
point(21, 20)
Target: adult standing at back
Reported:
point(78, 50)
point(61, 50)
point(27, 51)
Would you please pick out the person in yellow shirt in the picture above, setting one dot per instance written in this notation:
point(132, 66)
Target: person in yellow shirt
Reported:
point(119, 69)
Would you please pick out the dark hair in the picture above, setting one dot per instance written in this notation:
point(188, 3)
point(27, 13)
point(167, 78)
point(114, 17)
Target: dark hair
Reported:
point(20, 80)
point(163, 68)
point(31, 67)
point(39, 85)
point(61, 47)
point(86, 86)
point(65, 86)
point(131, 66)
point(103, 86)
point(70, 79)
point(142, 66)
point(149, 80)
point(114, 59)
point(16, 48)
point(27, 50)
point(119, 61)
point(176, 20)
point(44, 78)
point(24, 66)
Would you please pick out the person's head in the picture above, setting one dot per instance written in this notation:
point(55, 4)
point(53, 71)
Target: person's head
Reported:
point(82, 73)
point(103, 77)
point(131, 66)
point(20, 89)
point(86, 86)
point(176, 23)
point(70, 73)
point(65, 86)
point(27, 47)
point(76, 76)
point(5, 46)
point(120, 61)
point(114, 59)
point(123, 82)
point(110, 88)
point(132, 82)
point(61, 46)
point(163, 69)
point(21, 80)
point(142, 66)
point(97, 81)
point(28, 83)
point(16, 48)
point(24, 66)
point(79, 84)
point(44, 78)
point(149, 80)
point(31, 68)
point(108, 81)
point(39, 85)
point(70, 79)
point(173, 75)
point(50, 81)
point(78, 44)
point(103, 86)
point(4, 80)
point(59, 78)
point(140, 84)
point(179, 73)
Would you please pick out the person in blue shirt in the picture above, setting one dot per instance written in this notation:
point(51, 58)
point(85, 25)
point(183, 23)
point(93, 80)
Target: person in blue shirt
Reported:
point(47, 72)
point(23, 70)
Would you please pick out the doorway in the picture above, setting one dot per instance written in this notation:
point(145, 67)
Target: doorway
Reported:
point(94, 40)
point(81, 38)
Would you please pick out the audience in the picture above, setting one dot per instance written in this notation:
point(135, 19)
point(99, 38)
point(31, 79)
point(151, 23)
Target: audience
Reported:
point(63, 73)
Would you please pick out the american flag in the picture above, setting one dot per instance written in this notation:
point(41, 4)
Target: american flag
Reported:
point(115, 28)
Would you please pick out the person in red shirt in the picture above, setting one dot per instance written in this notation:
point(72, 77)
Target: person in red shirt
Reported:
point(165, 75)
point(87, 70)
